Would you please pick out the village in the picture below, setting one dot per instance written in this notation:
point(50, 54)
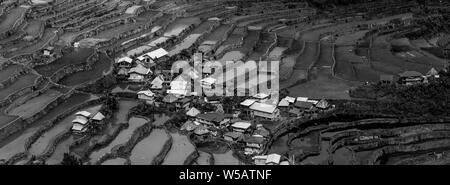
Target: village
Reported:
point(93, 82)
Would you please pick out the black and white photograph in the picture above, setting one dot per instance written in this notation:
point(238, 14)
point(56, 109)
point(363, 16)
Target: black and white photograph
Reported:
point(224, 82)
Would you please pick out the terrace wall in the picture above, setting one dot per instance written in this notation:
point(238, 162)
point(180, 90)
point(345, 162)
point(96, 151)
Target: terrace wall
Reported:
point(74, 68)
point(12, 97)
point(270, 48)
point(14, 27)
point(232, 46)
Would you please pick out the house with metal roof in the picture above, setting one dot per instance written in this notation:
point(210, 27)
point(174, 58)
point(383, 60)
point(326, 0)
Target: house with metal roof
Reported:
point(138, 73)
point(213, 119)
point(232, 136)
point(147, 96)
point(240, 126)
point(98, 118)
point(411, 77)
point(124, 62)
point(192, 112)
point(266, 111)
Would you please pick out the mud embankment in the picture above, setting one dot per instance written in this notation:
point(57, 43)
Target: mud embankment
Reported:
point(48, 124)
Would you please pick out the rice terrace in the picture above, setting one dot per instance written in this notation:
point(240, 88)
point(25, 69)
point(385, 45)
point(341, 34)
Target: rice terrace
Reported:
point(89, 82)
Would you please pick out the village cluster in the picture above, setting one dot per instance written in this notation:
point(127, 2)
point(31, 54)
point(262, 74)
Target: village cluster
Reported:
point(243, 125)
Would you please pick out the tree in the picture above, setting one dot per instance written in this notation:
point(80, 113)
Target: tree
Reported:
point(70, 160)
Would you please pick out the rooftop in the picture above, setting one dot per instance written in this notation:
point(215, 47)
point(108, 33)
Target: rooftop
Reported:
point(262, 107)
point(83, 113)
point(248, 102)
point(410, 74)
point(303, 104)
point(80, 120)
point(139, 69)
point(125, 59)
point(241, 125)
point(146, 93)
point(99, 116)
point(157, 53)
point(213, 117)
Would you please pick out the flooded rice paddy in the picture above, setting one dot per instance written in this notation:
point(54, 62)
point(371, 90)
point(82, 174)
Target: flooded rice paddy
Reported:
point(147, 149)
point(123, 137)
point(181, 149)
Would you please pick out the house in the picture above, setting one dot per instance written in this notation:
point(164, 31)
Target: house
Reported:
point(98, 118)
point(193, 112)
point(304, 105)
point(212, 99)
point(273, 159)
point(261, 96)
point(266, 111)
point(201, 130)
point(179, 86)
point(386, 79)
point(157, 82)
point(80, 120)
point(138, 73)
point(145, 59)
point(232, 136)
point(208, 83)
point(124, 62)
point(323, 104)
point(261, 132)
point(78, 128)
point(290, 99)
point(240, 126)
point(157, 54)
point(284, 163)
point(304, 99)
point(183, 103)
point(433, 72)
point(147, 96)
point(295, 112)
point(49, 51)
point(123, 72)
point(170, 98)
point(213, 119)
point(253, 144)
point(411, 78)
point(260, 159)
point(245, 106)
point(248, 102)
point(283, 104)
point(82, 115)
point(80, 124)
point(189, 126)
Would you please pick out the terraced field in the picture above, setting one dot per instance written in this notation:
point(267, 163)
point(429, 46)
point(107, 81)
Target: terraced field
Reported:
point(34, 105)
point(180, 150)
point(123, 137)
point(322, 83)
point(12, 18)
point(101, 67)
point(23, 81)
point(320, 57)
point(42, 143)
point(146, 150)
point(77, 57)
